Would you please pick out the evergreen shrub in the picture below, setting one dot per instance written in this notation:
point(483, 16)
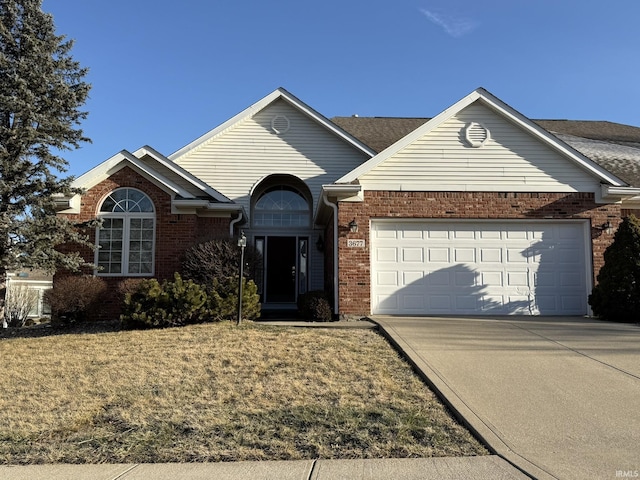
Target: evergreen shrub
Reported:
point(616, 297)
point(170, 304)
point(223, 299)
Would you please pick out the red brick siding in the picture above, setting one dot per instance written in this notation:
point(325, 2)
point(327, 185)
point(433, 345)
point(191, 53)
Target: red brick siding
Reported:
point(328, 261)
point(355, 263)
point(175, 233)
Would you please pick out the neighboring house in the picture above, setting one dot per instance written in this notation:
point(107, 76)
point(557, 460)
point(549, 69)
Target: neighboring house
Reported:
point(478, 210)
point(36, 281)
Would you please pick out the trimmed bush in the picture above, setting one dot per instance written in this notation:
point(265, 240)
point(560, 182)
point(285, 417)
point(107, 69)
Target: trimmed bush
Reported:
point(223, 299)
point(75, 298)
point(170, 304)
point(314, 306)
point(617, 295)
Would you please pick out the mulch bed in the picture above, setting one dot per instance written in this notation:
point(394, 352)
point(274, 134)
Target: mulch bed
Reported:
point(47, 329)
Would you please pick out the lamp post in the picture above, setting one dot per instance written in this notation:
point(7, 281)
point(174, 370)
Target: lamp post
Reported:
point(242, 242)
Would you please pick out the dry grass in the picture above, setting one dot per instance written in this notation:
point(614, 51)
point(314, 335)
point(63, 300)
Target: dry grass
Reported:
point(217, 392)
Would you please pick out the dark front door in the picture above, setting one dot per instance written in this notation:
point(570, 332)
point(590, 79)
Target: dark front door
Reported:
point(281, 270)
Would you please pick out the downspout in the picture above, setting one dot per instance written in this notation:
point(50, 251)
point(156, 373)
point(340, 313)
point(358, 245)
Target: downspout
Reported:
point(232, 223)
point(334, 207)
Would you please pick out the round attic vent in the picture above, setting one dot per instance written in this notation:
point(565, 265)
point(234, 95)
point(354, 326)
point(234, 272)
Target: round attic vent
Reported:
point(280, 124)
point(476, 134)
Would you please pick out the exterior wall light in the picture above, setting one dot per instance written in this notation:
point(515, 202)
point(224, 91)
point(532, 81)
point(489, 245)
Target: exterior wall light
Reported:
point(353, 226)
point(606, 227)
point(320, 244)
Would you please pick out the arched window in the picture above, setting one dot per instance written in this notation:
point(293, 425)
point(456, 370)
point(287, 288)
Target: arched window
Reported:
point(126, 239)
point(281, 206)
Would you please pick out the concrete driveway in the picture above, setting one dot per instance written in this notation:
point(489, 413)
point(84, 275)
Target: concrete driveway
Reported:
point(557, 397)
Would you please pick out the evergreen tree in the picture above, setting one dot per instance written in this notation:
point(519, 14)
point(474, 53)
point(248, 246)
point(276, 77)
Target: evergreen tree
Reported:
point(617, 295)
point(41, 91)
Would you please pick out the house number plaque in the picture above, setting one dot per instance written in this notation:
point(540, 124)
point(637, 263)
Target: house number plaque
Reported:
point(355, 243)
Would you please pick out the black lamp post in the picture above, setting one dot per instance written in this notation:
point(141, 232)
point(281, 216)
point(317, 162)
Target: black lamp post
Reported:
point(242, 242)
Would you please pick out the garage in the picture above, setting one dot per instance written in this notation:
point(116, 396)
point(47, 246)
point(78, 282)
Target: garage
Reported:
point(477, 267)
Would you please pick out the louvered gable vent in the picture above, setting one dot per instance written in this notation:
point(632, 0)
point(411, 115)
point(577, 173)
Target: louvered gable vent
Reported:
point(280, 124)
point(476, 134)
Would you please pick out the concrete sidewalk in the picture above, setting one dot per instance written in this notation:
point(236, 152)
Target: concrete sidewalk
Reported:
point(558, 397)
point(478, 468)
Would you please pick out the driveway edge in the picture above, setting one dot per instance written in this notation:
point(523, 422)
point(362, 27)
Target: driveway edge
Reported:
point(460, 410)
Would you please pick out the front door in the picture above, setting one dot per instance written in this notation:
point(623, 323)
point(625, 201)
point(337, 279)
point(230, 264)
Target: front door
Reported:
point(285, 269)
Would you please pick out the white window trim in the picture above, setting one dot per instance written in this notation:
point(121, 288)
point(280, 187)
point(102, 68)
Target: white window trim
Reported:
point(126, 228)
point(255, 211)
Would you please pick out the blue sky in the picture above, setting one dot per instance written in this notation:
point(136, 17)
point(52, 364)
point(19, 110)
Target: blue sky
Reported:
point(164, 73)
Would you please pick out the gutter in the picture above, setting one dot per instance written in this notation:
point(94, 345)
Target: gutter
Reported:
point(201, 203)
point(620, 191)
point(343, 190)
point(219, 208)
point(350, 192)
point(611, 193)
point(334, 207)
point(233, 222)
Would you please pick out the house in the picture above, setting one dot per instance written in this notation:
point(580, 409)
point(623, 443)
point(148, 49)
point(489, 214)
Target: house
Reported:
point(27, 286)
point(478, 210)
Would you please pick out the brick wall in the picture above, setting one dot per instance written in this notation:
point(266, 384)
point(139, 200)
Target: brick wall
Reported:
point(355, 263)
point(328, 262)
point(174, 233)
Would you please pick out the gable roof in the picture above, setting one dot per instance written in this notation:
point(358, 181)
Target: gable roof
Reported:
point(169, 176)
point(379, 132)
point(613, 146)
point(277, 94)
point(595, 130)
point(181, 175)
point(492, 102)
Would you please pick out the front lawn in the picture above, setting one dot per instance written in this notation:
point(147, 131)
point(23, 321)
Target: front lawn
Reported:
point(217, 392)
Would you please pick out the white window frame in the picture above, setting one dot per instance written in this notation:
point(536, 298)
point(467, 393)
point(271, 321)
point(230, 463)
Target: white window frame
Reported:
point(126, 238)
point(281, 212)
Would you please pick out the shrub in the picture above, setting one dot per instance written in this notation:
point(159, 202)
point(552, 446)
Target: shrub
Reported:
point(170, 304)
point(617, 295)
point(19, 302)
point(314, 306)
point(128, 285)
point(74, 298)
point(223, 299)
point(218, 259)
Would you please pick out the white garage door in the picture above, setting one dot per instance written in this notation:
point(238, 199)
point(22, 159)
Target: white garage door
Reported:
point(479, 268)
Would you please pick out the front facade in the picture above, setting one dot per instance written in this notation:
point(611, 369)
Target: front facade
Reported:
point(476, 211)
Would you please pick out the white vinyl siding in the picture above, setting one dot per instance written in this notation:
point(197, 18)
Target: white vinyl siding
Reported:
point(510, 160)
point(235, 161)
point(171, 176)
point(238, 158)
point(480, 267)
point(18, 283)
